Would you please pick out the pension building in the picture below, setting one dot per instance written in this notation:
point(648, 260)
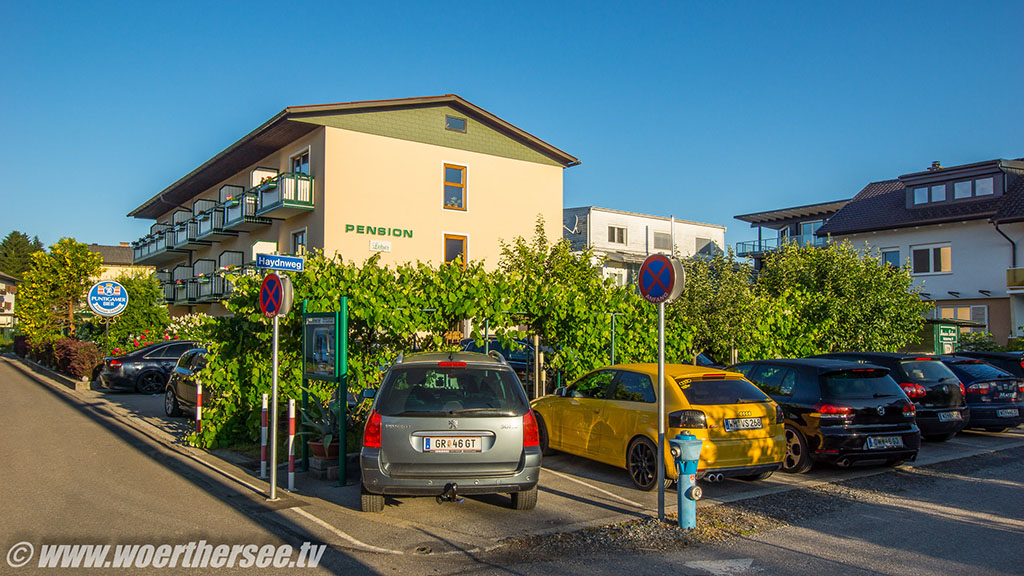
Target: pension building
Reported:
point(426, 179)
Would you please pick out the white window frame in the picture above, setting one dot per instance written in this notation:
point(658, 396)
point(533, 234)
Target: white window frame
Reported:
point(931, 260)
point(625, 235)
point(291, 159)
point(668, 235)
point(883, 251)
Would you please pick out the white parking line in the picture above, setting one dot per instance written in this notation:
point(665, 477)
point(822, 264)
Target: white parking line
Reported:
point(601, 490)
point(357, 543)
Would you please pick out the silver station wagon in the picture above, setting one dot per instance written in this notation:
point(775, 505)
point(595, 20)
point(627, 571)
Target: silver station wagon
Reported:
point(447, 425)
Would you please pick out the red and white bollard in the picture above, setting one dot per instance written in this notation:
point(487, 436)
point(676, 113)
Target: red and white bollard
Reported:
point(291, 444)
point(263, 440)
point(199, 408)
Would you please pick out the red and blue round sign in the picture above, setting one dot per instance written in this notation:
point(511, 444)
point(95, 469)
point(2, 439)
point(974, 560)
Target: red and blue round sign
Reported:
point(275, 295)
point(661, 279)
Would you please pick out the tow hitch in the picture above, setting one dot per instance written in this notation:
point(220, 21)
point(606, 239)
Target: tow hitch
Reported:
point(450, 494)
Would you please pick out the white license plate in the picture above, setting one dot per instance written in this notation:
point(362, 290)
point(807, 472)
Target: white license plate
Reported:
point(878, 442)
point(1008, 413)
point(947, 416)
point(451, 444)
point(734, 424)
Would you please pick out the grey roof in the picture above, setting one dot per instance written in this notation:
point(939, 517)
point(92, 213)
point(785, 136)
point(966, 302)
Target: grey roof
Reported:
point(114, 255)
point(807, 211)
point(9, 278)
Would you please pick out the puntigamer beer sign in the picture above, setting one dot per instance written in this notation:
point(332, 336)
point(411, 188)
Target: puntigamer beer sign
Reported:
point(378, 230)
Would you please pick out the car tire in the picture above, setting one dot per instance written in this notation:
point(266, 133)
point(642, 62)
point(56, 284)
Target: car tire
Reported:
point(756, 477)
point(171, 407)
point(797, 459)
point(895, 463)
point(642, 464)
point(526, 500)
point(150, 382)
point(995, 428)
point(938, 437)
point(370, 502)
point(542, 432)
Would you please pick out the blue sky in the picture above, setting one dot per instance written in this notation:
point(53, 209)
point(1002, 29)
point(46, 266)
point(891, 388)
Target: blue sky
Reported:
point(700, 110)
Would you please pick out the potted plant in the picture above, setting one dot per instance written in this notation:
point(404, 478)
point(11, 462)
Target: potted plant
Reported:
point(322, 418)
point(268, 182)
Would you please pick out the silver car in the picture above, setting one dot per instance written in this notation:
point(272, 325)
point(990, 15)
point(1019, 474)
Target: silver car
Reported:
point(449, 424)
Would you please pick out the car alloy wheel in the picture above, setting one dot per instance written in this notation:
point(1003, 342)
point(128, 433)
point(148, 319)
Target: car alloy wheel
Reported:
point(796, 460)
point(150, 382)
point(642, 463)
point(171, 404)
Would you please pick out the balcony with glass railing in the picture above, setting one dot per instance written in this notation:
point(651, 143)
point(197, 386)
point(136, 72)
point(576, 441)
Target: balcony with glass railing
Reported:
point(286, 195)
point(753, 248)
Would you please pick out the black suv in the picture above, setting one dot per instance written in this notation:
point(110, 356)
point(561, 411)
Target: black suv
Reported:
point(837, 412)
point(145, 369)
point(935, 390)
point(996, 397)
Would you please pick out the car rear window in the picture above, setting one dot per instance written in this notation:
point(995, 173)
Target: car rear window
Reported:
point(711, 392)
point(850, 384)
point(436, 390)
point(918, 371)
point(980, 371)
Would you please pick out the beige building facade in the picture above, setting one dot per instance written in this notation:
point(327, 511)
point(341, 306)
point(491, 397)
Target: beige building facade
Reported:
point(423, 179)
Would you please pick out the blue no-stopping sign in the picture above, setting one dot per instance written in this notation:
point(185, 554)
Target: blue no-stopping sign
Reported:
point(107, 298)
point(661, 279)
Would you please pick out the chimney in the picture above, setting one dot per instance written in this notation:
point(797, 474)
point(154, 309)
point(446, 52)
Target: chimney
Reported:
point(936, 166)
point(126, 244)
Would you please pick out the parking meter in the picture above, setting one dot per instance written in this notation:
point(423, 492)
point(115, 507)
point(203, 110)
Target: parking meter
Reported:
point(685, 449)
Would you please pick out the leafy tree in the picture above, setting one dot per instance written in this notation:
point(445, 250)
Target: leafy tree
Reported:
point(16, 253)
point(53, 286)
point(846, 298)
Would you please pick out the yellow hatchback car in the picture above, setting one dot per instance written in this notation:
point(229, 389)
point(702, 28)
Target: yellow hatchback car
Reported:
point(611, 415)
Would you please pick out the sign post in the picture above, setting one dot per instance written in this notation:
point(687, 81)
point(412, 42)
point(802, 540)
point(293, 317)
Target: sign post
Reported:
point(107, 299)
point(275, 301)
point(661, 281)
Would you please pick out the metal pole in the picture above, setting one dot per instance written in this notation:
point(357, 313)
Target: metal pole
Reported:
point(291, 445)
point(273, 420)
point(536, 366)
point(341, 355)
point(661, 411)
point(263, 439)
point(613, 338)
point(487, 339)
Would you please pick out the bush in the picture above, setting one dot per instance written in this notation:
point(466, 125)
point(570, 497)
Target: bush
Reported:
point(76, 358)
point(21, 345)
point(41, 351)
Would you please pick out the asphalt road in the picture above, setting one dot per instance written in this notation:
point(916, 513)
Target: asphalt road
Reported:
point(73, 476)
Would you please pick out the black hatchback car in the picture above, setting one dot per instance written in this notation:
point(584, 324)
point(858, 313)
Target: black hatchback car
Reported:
point(837, 412)
point(996, 397)
point(935, 390)
point(180, 392)
point(145, 369)
point(1012, 362)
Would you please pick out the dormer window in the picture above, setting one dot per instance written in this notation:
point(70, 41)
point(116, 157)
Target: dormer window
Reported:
point(974, 188)
point(963, 190)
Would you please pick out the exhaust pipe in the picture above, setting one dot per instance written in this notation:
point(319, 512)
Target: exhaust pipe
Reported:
point(713, 478)
point(845, 462)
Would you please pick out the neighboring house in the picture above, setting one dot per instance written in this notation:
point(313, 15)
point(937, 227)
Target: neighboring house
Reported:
point(959, 227)
point(118, 260)
point(798, 224)
point(625, 239)
point(8, 290)
point(430, 179)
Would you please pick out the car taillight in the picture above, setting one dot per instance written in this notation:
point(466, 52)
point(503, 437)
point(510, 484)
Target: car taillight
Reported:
point(371, 434)
point(113, 363)
point(963, 392)
point(913, 390)
point(1020, 387)
point(451, 364)
point(531, 434)
point(687, 419)
point(780, 416)
point(832, 411)
point(978, 388)
point(909, 410)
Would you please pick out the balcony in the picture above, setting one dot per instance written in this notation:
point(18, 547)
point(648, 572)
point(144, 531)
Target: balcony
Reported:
point(166, 285)
point(157, 248)
point(240, 213)
point(1015, 279)
point(186, 231)
point(182, 277)
point(288, 194)
point(754, 248)
point(210, 219)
